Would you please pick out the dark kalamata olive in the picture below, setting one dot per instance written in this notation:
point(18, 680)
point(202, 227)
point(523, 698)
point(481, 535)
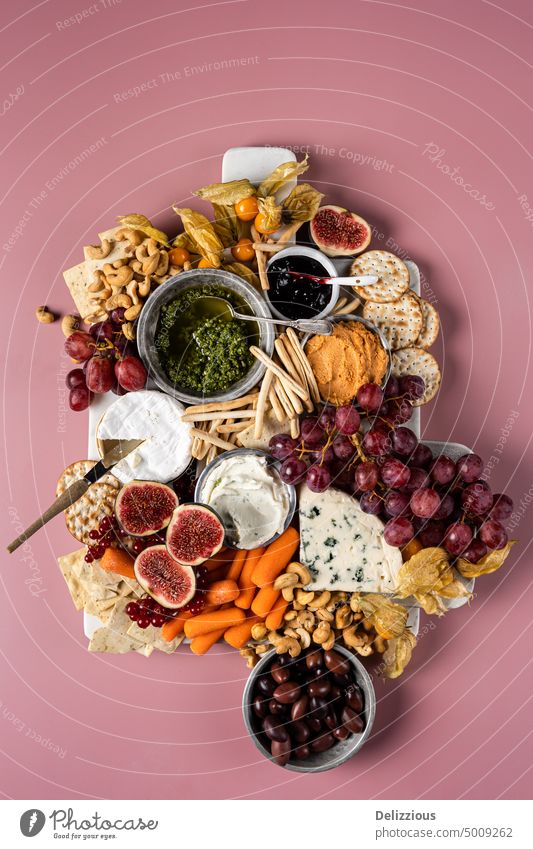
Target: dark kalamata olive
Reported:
point(314, 724)
point(335, 662)
point(320, 688)
point(302, 752)
point(354, 698)
point(275, 728)
point(318, 707)
point(266, 685)
point(335, 693)
point(300, 731)
point(341, 733)
point(342, 681)
point(279, 673)
point(277, 708)
point(331, 721)
point(284, 659)
point(260, 706)
point(314, 658)
point(352, 721)
point(287, 693)
point(299, 708)
point(323, 743)
point(281, 751)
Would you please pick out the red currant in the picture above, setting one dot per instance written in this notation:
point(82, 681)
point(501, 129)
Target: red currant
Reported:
point(157, 620)
point(94, 534)
point(105, 524)
point(143, 622)
point(88, 557)
point(132, 610)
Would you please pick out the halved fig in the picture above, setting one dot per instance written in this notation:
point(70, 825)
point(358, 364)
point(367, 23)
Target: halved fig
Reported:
point(338, 232)
point(194, 534)
point(145, 507)
point(172, 584)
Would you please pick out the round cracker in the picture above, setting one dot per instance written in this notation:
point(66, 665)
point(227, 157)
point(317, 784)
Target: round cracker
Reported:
point(421, 362)
point(78, 470)
point(401, 321)
point(392, 272)
point(86, 513)
point(431, 326)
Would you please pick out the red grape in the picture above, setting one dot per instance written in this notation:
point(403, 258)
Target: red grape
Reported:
point(457, 537)
point(425, 503)
point(347, 420)
point(422, 456)
point(282, 446)
point(367, 476)
point(117, 389)
point(398, 531)
point(493, 534)
point(326, 418)
point(394, 473)
point(99, 375)
point(431, 534)
point(370, 502)
point(392, 387)
point(404, 441)
point(447, 506)
point(419, 480)
point(370, 397)
point(318, 478)
point(413, 386)
point(475, 551)
point(396, 503)
point(342, 447)
point(376, 442)
point(79, 345)
point(322, 455)
point(75, 378)
point(399, 411)
point(311, 432)
point(117, 316)
point(502, 507)
point(477, 498)
point(131, 373)
point(469, 467)
point(443, 470)
point(103, 330)
point(79, 398)
point(292, 470)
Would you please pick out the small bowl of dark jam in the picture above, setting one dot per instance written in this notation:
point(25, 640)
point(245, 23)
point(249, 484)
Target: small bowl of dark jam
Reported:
point(291, 296)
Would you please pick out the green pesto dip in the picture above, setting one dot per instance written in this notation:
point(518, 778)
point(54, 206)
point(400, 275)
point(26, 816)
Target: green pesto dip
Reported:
point(200, 350)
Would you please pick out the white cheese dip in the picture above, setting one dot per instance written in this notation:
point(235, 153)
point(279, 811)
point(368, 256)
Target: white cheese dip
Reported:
point(249, 497)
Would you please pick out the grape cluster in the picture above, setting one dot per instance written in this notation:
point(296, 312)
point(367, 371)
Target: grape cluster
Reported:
point(107, 361)
point(366, 450)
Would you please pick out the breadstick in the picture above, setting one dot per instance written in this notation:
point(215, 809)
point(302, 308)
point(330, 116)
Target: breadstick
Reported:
point(261, 403)
point(276, 406)
point(285, 401)
point(222, 405)
point(211, 454)
point(294, 401)
point(295, 428)
point(261, 270)
point(212, 439)
point(232, 427)
point(282, 346)
point(300, 353)
point(339, 306)
point(289, 232)
point(285, 378)
point(351, 306)
point(218, 414)
point(268, 247)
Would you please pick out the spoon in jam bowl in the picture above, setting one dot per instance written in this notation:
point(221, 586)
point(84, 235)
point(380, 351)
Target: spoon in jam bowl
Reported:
point(362, 280)
point(322, 326)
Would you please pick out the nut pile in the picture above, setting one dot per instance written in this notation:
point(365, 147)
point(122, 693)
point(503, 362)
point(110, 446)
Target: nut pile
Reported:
point(314, 618)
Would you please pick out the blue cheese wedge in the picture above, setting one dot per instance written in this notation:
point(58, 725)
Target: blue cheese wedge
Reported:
point(343, 546)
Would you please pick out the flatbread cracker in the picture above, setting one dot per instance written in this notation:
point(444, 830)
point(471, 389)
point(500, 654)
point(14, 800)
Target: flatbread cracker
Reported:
point(88, 583)
point(431, 326)
point(271, 427)
point(421, 362)
point(400, 321)
point(392, 271)
point(114, 637)
point(152, 637)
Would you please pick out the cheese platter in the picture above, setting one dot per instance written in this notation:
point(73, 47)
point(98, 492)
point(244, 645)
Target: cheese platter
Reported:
point(278, 497)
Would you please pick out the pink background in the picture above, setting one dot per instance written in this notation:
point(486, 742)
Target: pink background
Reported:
point(357, 80)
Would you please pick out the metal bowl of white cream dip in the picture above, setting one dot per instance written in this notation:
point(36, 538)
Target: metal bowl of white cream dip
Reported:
point(245, 489)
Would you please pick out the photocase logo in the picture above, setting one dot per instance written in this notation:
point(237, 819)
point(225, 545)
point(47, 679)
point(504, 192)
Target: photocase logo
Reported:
point(32, 822)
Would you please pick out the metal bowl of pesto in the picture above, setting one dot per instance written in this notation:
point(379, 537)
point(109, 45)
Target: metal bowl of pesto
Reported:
point(253, 508)
point(190, 350)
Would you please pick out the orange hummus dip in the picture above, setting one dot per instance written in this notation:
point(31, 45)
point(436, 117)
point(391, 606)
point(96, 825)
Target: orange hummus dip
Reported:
point(344, 361)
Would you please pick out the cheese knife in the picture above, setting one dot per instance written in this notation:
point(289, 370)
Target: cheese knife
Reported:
point(79, 488)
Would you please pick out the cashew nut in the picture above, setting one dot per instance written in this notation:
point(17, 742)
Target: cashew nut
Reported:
point(352, 638)
point(134, 237)
point(44, 315)
point(288, 594)
point(290, 632)
point(118, 301)
point(304, 637)
point(304, 598)
point(97, 285)
point(290, 615)
point(259, 631)
point(141, 252)
point(144, 287)
point(162, 267)
point(288, 644)
point(187, 265)
point(152, 247)
point(120, 276)
point(330, 642)
point(250, 656)
point(306, 619)
point(132, 313)
point(136, 266)
point(98, 251)
point(343, 617)
point(320, 601)
point(364, 651)
point(128, 331)
point(304, 575)
point(98, 315)
point(321, 634)
point(70, 323)
point(262, 648)
point(324, 615)
point(285, 580)
point(150, 264)
point(354, 603)
point(132, 289)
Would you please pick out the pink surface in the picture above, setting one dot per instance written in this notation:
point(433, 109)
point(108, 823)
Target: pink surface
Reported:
point(376, 90)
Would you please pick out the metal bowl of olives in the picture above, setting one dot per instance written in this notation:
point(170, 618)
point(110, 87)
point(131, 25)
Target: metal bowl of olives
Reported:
point(304, 731)
point(223, 284)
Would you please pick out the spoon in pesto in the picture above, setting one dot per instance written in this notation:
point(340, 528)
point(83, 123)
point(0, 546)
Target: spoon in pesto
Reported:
point(322, 326)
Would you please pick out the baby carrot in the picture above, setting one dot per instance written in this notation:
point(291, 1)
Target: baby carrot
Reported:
point(220, 592)
point(204, 623)
point(275, 617)
point(265, 601)
point(235, 569)
point(173, 627)
point(238, 635)
point(246, 585)
point(277, 556)
point(117, 560)
point(202, 644)
point(221, 558)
